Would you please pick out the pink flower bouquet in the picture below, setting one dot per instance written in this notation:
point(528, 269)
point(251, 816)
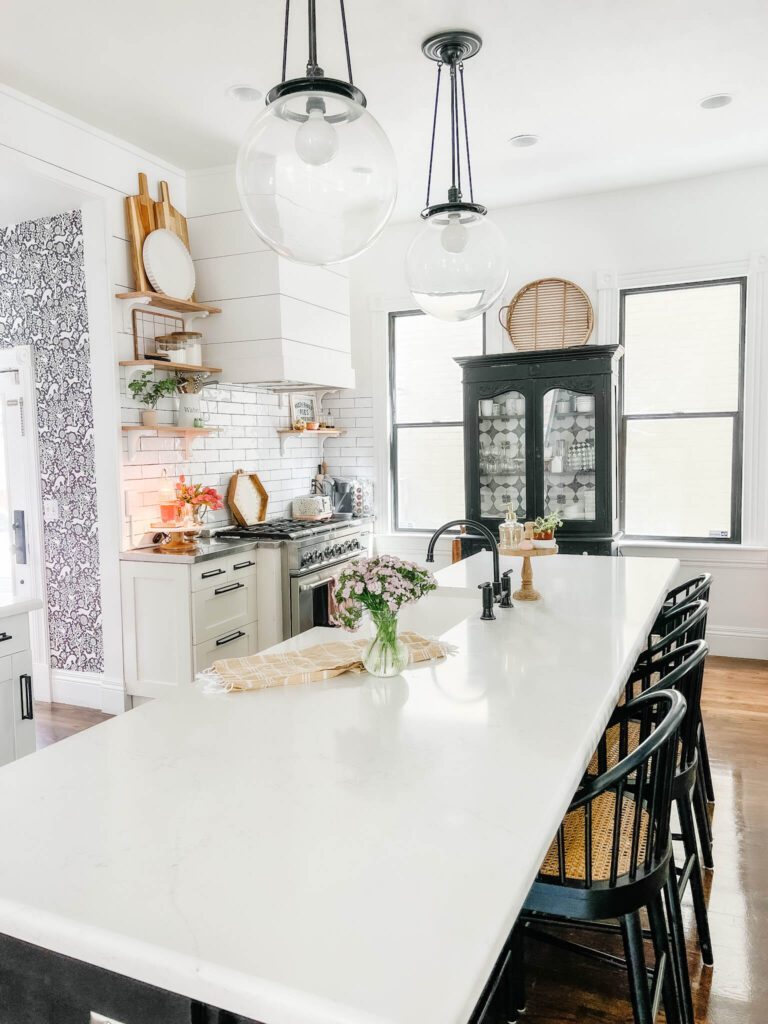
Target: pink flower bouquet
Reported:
point(381, 586)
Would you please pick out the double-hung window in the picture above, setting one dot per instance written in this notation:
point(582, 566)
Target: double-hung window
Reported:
point(682, 410)
point(426, 411)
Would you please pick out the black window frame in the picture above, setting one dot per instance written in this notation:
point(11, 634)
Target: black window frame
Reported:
point(737, 454)
point(394, 426)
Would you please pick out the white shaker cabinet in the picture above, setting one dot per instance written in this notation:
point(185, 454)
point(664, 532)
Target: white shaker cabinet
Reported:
point(181, 617)
point(17, 725)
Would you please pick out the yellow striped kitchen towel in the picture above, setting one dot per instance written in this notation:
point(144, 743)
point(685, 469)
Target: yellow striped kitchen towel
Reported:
point(322, 661)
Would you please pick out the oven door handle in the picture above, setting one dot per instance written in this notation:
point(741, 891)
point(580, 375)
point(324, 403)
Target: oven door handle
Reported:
point(304, 587)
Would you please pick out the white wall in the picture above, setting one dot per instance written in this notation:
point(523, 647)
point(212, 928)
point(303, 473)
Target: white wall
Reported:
point(686, 230)
point(55, 147)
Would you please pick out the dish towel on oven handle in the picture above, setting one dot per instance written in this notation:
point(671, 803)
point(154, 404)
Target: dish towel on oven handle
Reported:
point(311, 665)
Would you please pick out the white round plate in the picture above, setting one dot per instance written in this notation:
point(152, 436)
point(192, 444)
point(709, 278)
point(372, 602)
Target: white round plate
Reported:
point(168, 264)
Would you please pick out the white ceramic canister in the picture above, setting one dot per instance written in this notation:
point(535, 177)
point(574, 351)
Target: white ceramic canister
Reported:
point(190, 411)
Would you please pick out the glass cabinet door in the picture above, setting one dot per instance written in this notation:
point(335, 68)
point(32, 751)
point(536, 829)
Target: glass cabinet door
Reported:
point(501, 455)
point(569, 454)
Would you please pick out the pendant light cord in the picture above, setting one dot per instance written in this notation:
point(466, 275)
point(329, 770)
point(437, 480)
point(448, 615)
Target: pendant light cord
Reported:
point(312, 34)
point(466, 133)
point(285, 36)
point(346, 40)
point(312, 31)
point(434, 128)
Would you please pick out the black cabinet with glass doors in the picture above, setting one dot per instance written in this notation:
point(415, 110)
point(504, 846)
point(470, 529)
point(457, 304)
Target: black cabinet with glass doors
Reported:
point(541, 436)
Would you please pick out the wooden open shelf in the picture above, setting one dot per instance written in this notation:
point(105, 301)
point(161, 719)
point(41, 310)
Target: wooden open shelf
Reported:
point(163, 364)
point(285, 432)
point(312, 433)
point(133, 430)
point(166, 302)
point(163, 429)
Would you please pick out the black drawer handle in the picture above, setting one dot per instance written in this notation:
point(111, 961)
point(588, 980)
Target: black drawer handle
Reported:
point(230, 638)
point(27, 707)
point(230, 587)
point(5, 636)
point(243, 565)
point(212, 572)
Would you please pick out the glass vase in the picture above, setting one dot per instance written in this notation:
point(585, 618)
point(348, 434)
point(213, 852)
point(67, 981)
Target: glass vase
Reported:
point(386, 654)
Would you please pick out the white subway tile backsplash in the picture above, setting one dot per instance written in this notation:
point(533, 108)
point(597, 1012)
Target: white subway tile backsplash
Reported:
point(246, 420)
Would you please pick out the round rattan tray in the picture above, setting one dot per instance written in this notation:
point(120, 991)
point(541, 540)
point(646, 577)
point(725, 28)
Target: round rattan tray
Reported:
point(548, 314)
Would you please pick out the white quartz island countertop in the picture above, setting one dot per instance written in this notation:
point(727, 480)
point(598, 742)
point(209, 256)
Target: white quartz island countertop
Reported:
point(11, 605)
point(348, 852)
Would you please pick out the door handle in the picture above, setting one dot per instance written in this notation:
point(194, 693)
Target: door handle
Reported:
point(243, 565)
point(228, 639)
point(212, 572)
point(5, 636)
point(303, 587)
point(228, 588)
point(19, 536)
point(27, 707)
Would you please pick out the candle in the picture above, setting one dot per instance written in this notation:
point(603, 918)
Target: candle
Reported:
point(167, 499)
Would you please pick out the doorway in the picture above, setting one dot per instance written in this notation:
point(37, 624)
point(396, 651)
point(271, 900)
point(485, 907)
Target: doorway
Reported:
point(22, 560)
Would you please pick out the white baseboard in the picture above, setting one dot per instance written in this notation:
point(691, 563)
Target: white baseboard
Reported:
point(88, 690)
point(738, 642)
point(41, 680)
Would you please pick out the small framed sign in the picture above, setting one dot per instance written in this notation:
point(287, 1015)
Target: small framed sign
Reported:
point(303, 407)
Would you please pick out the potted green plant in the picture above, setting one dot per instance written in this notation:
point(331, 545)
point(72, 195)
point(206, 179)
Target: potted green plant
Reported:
point(544, 530)
point(149, 392)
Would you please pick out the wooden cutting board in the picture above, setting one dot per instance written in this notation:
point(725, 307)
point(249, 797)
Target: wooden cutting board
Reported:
point(247, 498)
point(140, 219)
point(168, 217)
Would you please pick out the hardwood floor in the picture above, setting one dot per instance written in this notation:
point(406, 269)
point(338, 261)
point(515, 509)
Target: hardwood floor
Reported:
point(564, 988)
point(55, 722)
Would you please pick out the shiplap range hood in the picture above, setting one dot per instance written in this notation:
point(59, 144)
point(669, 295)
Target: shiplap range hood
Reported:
point(282, 323)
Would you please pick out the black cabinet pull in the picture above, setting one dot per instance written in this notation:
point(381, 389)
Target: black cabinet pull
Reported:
point(230, 638)
point(243, 565)
point(212, 572)
point(5, 636)
point(228, 588)
point(27, 707)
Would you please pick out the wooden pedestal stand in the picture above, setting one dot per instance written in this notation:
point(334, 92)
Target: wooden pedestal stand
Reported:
point(526, 591)
point(183, 538)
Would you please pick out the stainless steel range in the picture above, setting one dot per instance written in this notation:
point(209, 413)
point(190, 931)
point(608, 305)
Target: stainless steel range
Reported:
point(313, 554)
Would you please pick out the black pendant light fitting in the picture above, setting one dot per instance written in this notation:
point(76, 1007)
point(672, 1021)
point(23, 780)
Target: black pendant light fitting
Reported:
point(452, 49)
point(315, 80)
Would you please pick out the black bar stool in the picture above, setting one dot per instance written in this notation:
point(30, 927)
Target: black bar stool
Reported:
point(696, 589)
point(612, 856)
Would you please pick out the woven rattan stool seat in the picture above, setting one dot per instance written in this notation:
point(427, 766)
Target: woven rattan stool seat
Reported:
point(603, 813)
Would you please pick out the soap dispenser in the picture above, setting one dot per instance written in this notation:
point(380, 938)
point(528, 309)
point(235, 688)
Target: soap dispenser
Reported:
point(507, 529)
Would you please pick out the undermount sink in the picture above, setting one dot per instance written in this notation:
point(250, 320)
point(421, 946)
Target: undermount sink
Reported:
point(440, 611)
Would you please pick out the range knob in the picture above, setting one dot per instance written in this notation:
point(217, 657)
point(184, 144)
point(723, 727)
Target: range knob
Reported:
point(304, 560)
point(338, 549)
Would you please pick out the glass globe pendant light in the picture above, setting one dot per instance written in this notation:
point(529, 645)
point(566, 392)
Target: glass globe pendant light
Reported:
point(316, 174)
point(456, 266)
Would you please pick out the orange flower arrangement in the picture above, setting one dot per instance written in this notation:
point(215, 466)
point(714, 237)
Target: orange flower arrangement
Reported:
point(196, 498)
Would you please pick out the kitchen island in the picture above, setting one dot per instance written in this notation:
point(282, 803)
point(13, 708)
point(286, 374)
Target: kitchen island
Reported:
point(348, 852)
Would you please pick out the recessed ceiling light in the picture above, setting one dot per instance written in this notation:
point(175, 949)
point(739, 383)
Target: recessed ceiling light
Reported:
point(244, 93)
point(523, 141)
point(716, 100)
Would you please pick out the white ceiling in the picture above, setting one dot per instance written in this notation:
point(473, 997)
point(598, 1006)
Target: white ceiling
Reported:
point(612, 88)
